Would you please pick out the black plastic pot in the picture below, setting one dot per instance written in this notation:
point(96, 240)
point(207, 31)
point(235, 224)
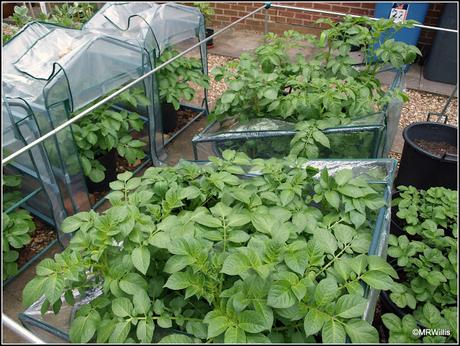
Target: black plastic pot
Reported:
point(168, 117)
point(209, 32)
point(109, 161)
point(422, 169)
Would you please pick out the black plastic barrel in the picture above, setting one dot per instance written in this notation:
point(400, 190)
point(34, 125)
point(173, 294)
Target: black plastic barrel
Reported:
point(422, 169)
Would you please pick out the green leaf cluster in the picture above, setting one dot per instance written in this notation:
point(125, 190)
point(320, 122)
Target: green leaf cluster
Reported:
point(427, 255)
point(17, 226)
point(108, 128)
point(233, 251)
point(327, 90)
point(180, 79)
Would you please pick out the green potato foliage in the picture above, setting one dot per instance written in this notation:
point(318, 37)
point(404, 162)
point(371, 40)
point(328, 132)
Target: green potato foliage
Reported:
point(237, 250)
point(107, 128)
point(328, 90)
point(17, 226)
point(427, 256)
point(179, 80)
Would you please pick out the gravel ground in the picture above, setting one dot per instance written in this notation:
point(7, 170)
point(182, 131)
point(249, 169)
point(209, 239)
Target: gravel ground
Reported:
point(216, 88)
point(420, 103)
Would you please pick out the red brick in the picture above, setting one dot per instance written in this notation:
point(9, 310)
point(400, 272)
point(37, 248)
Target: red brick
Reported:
point(222, 5)
point(231, 12)
point(368, 5)
point(322, 6)
point(339, 9)
point(302, 15)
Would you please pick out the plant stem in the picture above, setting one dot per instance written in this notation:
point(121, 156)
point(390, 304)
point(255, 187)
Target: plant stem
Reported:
point(334, 259)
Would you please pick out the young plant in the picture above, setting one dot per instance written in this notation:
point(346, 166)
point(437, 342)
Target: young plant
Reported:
point(234, 251)
point(438, 327)
point(427, 256)
point(179, 79)
point(21, 16)
point(17, 227)
point(72, 15)
point(106, 129)
point(274, 83)
point(206, 10)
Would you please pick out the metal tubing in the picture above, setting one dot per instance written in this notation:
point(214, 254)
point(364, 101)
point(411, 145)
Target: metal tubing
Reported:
point(195, 118)
point(17, 328)
point(355, 15)
point(121, 90)
point(24, 200)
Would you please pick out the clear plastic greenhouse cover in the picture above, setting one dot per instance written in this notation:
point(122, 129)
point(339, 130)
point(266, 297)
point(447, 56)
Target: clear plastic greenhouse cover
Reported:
point(373, 133)
point(152, 26)
point(55, 328)
point(55, 71)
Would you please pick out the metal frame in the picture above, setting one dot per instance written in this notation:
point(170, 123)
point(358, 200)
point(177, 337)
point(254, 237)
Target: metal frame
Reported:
point(15, 327)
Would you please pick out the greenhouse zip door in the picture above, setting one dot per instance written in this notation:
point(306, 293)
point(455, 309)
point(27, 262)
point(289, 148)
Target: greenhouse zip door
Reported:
point(32, 209)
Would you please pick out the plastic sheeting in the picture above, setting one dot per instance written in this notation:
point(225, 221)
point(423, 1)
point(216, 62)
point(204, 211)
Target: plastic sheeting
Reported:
point(369, 136)
point(265, 138)
point(55, 328)
point(33, 166)
point(154, 28)
point(55, 71)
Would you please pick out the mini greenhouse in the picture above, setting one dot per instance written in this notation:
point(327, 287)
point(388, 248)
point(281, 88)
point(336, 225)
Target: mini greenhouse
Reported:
point(162, 31)
point(277, 96)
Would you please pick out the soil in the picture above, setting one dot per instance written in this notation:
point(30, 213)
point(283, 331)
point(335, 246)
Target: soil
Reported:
point(43, 235)
point(183, 118)
point(436, 148)
point(123, 165)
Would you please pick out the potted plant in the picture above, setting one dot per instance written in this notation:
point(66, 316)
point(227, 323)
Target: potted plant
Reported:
point(328, 90)
point(429, 156)
point(208, 13)
point(178, 81)
point(215, 255)
point(102, 135)
point(425, 258)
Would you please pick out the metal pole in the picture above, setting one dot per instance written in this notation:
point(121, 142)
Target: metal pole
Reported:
point(355, 15)
point(119, 91)
point(18, 329)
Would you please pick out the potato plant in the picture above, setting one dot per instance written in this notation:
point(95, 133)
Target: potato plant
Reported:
point(237, 250)
point(179, 79)
point(17, 226)
point(329, 88)
point(107, 128)
point(427, 257)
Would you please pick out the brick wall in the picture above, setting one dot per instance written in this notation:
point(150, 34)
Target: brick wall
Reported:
point(283, 19)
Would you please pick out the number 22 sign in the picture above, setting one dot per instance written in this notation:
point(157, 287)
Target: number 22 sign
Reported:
point(399, 12)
